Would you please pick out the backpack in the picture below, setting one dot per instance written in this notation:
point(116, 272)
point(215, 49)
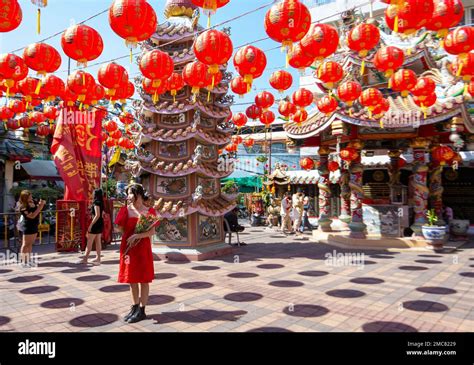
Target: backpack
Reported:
point(20, 225)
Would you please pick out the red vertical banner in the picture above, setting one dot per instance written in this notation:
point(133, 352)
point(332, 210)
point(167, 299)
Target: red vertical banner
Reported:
point(77, 153)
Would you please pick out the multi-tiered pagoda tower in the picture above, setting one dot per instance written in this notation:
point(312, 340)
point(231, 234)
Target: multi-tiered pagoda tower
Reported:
point(178, 160)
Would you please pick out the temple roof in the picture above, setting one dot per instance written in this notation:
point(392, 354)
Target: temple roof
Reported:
point(181, 106)
point(179, 8)
point(443, 109)
point(215, 207)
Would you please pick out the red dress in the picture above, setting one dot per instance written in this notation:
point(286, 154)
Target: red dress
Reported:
point(137, 267)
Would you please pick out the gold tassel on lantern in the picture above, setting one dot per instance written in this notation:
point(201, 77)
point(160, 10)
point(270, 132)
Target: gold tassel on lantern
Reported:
point(362, 67)
point(38, 21)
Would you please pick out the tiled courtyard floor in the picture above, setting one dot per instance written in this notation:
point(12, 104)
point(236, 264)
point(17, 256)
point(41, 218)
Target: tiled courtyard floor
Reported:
point(276, 283)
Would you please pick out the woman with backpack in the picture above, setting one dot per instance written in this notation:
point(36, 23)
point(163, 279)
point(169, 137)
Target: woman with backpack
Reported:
point(29, 222)
point(96, 228)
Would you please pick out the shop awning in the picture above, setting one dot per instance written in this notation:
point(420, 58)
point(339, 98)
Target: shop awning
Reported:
point(245, 180)
point(41, 170)
point(303, 176)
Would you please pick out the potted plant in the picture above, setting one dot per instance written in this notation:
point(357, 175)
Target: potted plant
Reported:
point(230, 190)
point(435, 235)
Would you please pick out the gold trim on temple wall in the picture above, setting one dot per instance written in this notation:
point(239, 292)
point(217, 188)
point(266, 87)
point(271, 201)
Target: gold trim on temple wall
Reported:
point(324, 150)
point(420, 142)
point(357, 144)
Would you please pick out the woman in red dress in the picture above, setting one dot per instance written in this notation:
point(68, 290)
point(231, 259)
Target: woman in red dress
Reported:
point(136, 267)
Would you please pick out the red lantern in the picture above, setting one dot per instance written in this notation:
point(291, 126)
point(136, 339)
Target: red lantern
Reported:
point(111, 142)
point(267, 118)
point(250, 63)
point(307, 163)
point(80, 83)
point(69, 97)
point(25, 123)
point(470, 88)
point(300, 116)
point(10, 16)
point(287, 22)
point(327, 104)
point(53, 87)
point(281, 80)
point(302, 98)
point(362, 38)
point(12, 124)
point(133, 20)
point(264, 100)
point(37, 117)
point(110, 126)
point(42, 58)
point(370, 98)
point(403, 81)
point(28, 87)
point(238, 86)
point(209, 6)
point(349, 154)
point(239, 120)
point(253, 112)
point(213, 80)
point(6, 113)
point(463, 66)
point(388, 60)
point(286, 108)
point(408, 16)
point(349, 91)
point(231, 147)
point(124, 143)
point(111, 76)
point(116, 134)
point(17, 106)
point(297, 59)
point(195, 75)
point(126, 118)
point(157, 66)
point(425, 101)
point(424, 86)
point(148, 88)
point(9, 66)
point(213, 48)
point(50, 112)
point(379, 110)
point(96, 94)
point(249, 142)
point(329, 73)
point(175, 83)
point(124, 92)
point(442, 154)
point(333, 166)
point(82, 43)
point(446, 14)
point(320, 42)
point(42, 130)
point(236, 140)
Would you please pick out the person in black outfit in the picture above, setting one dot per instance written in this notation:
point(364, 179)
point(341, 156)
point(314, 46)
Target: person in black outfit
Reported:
point(233, 220)
point(96, 227)
point(30, 212)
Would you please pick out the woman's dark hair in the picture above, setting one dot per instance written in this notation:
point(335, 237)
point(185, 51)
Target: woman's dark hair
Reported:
point(138, 190)
point(98, 195)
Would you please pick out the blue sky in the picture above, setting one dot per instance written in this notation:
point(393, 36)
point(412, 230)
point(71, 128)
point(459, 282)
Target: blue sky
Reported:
point(59, 14)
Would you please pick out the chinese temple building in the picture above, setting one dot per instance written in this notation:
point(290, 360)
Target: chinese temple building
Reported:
point(178, 161)
point(395, 176)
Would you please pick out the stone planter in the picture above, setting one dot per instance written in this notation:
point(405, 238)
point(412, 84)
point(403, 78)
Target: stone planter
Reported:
point(435, 236)
point(458, 228)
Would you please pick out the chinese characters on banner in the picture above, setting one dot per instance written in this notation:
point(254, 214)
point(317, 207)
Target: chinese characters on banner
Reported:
point(77, 153)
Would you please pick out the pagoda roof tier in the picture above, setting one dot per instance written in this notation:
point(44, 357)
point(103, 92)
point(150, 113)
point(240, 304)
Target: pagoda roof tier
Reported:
point(156, 133)
point(215, 207)
point(175, 168)
point(170, 31)
point(182, 106)
point(179, 57)
point(401, 109)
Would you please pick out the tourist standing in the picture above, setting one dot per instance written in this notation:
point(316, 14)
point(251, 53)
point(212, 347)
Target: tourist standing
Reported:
point(136, 263)
point(305, 222)
point(96, 227)
point(285, 213)
point(30, 212)
point(298, 208)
